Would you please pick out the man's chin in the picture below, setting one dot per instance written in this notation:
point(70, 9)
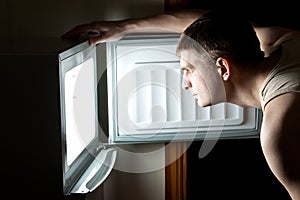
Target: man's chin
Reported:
point(207, 104)
point(202, 104)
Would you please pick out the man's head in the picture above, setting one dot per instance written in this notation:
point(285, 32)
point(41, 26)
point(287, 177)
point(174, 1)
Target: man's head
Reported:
point(212, 45)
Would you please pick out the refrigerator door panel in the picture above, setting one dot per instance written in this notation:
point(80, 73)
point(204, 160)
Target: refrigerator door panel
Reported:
point(86, 161)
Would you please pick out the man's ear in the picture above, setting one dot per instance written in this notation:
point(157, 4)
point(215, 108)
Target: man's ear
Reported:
point(224, 68)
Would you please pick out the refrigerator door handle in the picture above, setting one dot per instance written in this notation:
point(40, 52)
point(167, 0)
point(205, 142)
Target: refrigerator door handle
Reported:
point(97, 172)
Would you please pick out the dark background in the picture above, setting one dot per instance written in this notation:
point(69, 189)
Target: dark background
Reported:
point(234, 169)
point(264, 12)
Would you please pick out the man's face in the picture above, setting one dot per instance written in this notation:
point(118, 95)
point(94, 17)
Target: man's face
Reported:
point(195, 82)
point(202, 79)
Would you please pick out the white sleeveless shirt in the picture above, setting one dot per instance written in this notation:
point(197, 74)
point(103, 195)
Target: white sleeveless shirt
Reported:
point(285, 76)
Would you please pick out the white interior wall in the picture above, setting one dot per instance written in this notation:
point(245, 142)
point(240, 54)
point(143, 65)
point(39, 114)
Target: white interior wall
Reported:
point(36, 18)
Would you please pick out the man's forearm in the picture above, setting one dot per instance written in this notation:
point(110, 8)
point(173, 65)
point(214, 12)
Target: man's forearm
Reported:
point(175, 21)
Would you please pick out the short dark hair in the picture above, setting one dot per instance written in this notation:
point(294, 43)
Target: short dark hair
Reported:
point(224, 34)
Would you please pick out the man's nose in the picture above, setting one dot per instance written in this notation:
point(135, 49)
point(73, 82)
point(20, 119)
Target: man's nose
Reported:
point(186, 84)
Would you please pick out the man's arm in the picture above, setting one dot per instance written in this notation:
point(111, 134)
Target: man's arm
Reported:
point(271, 37)
point(280, 140)
point(175, 21)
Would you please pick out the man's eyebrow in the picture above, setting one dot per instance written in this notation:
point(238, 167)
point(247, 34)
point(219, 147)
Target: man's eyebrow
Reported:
point(187, 67)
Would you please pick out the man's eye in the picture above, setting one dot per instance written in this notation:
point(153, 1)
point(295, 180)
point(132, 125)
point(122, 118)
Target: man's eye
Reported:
point(189, 70)
point(185, 71)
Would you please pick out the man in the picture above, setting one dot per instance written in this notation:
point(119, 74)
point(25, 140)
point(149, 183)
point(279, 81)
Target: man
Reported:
point(226, 58)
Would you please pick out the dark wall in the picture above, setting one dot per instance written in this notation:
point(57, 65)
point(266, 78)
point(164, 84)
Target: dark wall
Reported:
point(30, 143)
point(234, 169)
point(263, 12)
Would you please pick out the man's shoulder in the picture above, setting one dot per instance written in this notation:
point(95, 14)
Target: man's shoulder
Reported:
point(285, 104)
point(281, 116)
